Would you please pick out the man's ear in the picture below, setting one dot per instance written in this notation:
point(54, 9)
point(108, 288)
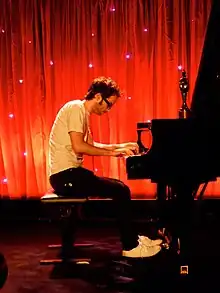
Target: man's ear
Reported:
point(98, 98)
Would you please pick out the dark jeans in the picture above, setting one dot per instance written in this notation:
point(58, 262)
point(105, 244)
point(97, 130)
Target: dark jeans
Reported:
point(83, 182)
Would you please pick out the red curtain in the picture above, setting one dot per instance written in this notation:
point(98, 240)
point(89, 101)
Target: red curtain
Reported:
point(51, 50)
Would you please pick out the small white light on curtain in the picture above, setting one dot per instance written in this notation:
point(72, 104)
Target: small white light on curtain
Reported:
point(146, 30)
point(128, 56)
point(129, 98)
point(29, 42)
point(11, 115)
point(25, 154)
point(21, 81)
point(2, 30)
point(112, 9)
point(93, 34)
point(180, 67)
point(90, 65)
point(4, 180)
point(96, 170)
point(51, 62)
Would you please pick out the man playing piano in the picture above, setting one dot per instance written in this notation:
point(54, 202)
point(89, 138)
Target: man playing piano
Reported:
point(70, 139)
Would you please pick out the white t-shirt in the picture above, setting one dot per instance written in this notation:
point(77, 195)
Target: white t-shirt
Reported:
point(71, 117)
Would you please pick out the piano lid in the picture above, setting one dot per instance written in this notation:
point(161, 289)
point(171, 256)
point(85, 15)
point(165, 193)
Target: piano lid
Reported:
point(206, 96)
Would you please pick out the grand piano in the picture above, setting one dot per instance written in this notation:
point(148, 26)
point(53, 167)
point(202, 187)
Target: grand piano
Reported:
point(185, 153)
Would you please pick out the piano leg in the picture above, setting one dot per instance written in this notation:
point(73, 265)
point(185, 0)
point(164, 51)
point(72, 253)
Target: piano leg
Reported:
point(177, 216)
point(164, 193)
point(182, 219)
point(161, 191)
point(161, 199)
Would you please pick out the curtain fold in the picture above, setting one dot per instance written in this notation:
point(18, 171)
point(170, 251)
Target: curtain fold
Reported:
point(51, 50)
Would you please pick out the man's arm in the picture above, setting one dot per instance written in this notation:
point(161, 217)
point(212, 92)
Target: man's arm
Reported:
point(112, 147)
point(81, 147)
point(75, 129)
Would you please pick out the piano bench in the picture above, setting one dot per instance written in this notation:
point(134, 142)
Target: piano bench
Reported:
point(67, 210)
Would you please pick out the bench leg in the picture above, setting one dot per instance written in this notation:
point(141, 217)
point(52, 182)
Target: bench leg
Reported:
point(68, 229)
point(68, 224)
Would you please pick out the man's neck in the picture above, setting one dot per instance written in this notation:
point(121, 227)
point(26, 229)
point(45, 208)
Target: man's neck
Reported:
point(88, 106)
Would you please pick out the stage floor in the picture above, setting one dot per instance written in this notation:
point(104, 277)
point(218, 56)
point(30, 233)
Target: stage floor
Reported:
point(24, 244)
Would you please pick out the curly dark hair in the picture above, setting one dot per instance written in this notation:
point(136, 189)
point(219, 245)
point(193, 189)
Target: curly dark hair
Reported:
point(104, 86)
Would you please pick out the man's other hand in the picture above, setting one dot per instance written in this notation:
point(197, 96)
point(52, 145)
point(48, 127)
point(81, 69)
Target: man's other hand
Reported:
point(133, 146)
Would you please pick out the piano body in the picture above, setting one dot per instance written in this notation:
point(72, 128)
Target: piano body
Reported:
point(186, 152)
point(183, 150)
